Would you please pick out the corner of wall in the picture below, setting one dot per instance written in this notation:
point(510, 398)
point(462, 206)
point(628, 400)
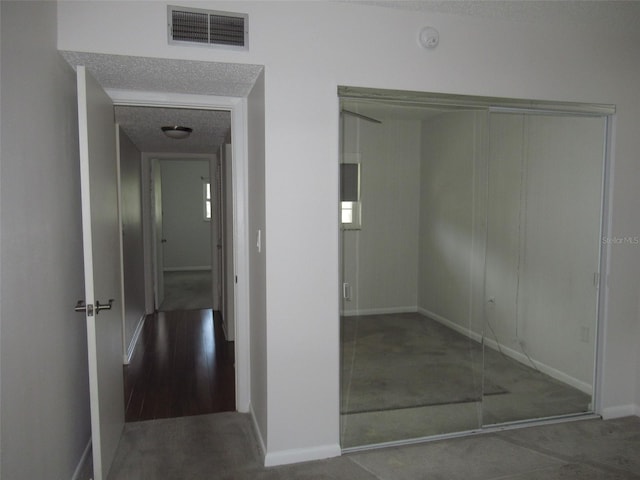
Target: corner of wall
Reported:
point(619, 411)
point(258, 433)
point(297, 455)
point(84, 470)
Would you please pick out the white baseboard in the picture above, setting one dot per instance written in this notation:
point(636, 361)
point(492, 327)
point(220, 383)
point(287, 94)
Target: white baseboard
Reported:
point(619, 411)
point(510, 352)
point(467, 332)
point(546, 369)
point(202, 268)
point(84, 465)
point(297, 455)
point(379, 311)
point(227, 333)
point(134, 340)
point(256, 431)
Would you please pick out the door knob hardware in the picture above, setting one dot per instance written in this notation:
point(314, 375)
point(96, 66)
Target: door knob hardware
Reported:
point(82, 307)
point(103, 306)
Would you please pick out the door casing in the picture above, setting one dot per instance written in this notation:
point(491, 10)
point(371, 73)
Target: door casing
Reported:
point(237, 107)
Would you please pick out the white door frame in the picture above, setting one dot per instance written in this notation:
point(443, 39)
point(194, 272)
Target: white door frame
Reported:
point(237, 106)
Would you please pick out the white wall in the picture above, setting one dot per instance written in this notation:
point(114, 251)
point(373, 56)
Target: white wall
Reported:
point(380, 259)
point(132, 241)
point(44, 390)
point(560, 242)
point(187, 234)
point(543, 240)
point(305, 59)
point(449, 154)
point(259, 353)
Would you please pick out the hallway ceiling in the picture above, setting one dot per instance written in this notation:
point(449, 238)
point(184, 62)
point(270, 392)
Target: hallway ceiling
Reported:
point(161, 75)
point(142, 126)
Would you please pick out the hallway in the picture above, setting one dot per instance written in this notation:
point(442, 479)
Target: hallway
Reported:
point(182, 366)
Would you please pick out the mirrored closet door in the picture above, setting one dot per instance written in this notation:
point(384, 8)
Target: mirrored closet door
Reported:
point(542, 262)
point(470, 252)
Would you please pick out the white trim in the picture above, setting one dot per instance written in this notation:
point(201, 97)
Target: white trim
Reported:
point(257, 432)
point(379, 311)
point(619, 411)
point(239, 175)
point(546, 369)
point(297, 455)
point(237, 106)
point(134, 340)
point(177, 100)
point(147, 240)
point(203, 268)
point(467, 332)
point(123, 307)
point(601, 342)
point(510, 352)
point(84, 463)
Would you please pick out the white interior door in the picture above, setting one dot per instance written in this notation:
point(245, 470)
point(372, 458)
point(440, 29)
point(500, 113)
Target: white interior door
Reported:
point(158, 243)
point(102, 267)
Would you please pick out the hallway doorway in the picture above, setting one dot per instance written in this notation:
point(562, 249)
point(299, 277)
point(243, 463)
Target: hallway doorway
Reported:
point(183, 362)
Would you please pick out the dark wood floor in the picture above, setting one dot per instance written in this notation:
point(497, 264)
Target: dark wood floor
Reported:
point(182, 366)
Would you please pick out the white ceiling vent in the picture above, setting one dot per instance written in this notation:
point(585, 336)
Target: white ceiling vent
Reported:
point(195, 26)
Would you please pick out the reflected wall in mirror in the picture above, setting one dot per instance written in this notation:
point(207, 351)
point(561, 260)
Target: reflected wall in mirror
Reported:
point(542, 261)
point(468, 295)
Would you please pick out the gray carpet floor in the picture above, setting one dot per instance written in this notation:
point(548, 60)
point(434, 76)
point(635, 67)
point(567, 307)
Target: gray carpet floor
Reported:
point(223, 446)
point(407, 376)
point(187, 290)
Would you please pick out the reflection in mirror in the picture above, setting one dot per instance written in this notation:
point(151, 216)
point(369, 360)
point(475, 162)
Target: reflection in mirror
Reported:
point(468, 295)
point(542, 257)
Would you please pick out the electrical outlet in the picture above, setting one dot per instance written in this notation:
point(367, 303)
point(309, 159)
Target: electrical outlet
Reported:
point(346, 291)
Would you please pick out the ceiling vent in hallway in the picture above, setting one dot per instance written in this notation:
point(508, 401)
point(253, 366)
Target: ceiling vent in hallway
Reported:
point(194, 26)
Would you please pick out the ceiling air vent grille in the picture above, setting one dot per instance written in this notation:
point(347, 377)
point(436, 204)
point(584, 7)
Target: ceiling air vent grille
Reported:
point(207, 27)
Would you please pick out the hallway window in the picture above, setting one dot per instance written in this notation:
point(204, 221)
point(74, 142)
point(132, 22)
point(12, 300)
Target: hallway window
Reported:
point(350, 195)
point(206, 199)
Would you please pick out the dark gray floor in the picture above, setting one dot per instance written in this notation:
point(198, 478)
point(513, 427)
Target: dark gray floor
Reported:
point(222, 446)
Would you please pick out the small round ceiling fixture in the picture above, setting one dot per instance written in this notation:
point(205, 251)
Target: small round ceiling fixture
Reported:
point(177, 132)
point(428, 37)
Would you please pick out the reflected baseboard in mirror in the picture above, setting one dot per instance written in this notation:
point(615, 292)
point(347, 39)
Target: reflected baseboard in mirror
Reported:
point(408, 376)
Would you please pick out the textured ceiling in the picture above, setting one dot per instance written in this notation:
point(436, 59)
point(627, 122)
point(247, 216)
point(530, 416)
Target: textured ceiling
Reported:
point(167, 75)
point(142, 126)
point(622, 15)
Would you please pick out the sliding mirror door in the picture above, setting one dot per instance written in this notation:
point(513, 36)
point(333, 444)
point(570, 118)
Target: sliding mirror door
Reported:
point(542, 264)
point(411, 279)
point(471, 238)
